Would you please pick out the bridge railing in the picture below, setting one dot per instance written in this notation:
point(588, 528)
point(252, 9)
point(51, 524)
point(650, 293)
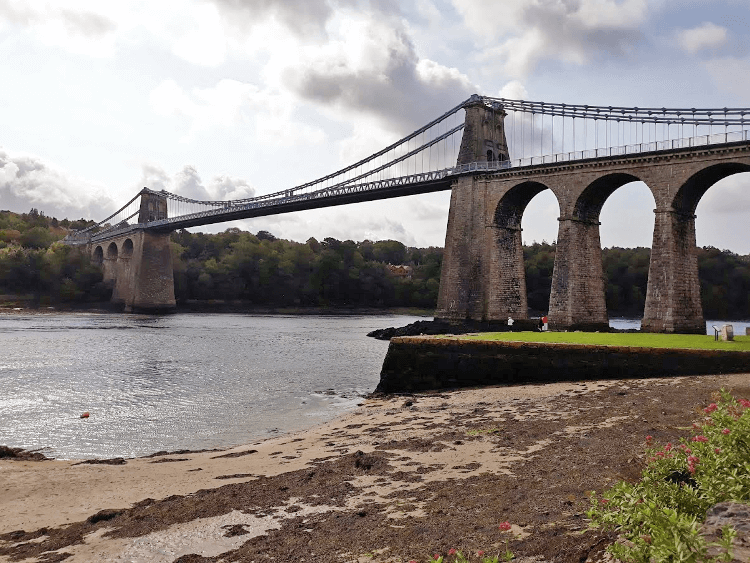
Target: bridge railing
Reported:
point(687, 142)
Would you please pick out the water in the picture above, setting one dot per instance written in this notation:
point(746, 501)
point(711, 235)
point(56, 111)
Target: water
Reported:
point(184, 381)
point(738, 326)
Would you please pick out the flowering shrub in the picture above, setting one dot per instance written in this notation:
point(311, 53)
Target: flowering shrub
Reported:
point(659, 516)
point(455, 556)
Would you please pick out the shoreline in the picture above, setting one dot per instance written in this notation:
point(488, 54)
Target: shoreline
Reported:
point(400, 476)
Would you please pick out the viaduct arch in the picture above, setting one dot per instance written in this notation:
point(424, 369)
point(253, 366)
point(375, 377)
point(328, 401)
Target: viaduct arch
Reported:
point(483, 278)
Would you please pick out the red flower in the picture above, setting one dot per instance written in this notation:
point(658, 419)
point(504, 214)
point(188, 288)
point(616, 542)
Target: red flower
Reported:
point(451, 551)
point(504, 526)
point(717, 450)
point(745, 403)
point(604, 501)
point(726, 431)
point(710, 408)
point(480, 553)
point(668, 447)
point(649, 438)
point(700, 439)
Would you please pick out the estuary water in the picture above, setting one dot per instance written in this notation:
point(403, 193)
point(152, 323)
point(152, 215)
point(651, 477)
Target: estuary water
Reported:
point(183, 381)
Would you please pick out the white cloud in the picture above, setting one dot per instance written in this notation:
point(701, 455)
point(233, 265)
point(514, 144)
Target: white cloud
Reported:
point(230, 104)
point(26, 182)
point(514, 90)
point(187, 182)
point(524, 32)
point(78, 27)
point(706, 36)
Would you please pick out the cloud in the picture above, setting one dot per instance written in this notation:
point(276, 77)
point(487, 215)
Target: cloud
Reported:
point(78, 30)
point(187, 182)
point(231, 103)
point(302, 17)
point(575, 31)
point(370, 65)
point(705, 36)
point(26, 182)
point(514, 90)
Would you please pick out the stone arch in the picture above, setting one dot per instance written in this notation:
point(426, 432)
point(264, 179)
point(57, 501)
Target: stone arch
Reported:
point(588, 205)
point(510, 208)
point(127, 248)
point(112, 251)
point(690, 193)
point(98, 255)
point(506, 278)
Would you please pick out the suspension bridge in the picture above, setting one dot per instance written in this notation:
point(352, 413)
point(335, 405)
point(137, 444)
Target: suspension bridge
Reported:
point(495, 155)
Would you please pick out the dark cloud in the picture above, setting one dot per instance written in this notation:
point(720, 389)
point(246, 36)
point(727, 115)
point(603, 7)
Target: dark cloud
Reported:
point(386, 78)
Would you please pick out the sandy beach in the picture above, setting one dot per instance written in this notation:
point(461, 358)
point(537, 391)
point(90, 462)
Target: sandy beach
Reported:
point(399, 478)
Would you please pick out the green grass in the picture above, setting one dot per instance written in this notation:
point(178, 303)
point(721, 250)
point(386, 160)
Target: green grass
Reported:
point(642, 340)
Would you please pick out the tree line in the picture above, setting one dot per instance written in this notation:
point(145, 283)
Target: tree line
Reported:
point(260, 269)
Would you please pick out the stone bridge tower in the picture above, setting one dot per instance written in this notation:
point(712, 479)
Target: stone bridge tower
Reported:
point(484, 133)
point(482, 276)
point(138, 263)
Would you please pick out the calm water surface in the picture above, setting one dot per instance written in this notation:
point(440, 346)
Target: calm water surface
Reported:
point(180, 381)
point(184, 381)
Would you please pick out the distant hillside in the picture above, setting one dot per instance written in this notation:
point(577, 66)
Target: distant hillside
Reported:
point(35, 268)
point(260, 269)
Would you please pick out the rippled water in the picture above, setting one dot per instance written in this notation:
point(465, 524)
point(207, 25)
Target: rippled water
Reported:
point(180, 381)
point(184, 381)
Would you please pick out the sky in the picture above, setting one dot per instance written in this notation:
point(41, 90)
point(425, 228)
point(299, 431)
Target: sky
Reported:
point(225, 99)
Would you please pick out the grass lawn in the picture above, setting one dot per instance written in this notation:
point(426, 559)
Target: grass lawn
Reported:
point(643, 340)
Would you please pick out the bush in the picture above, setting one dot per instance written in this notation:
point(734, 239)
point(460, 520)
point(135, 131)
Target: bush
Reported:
point(659, 516)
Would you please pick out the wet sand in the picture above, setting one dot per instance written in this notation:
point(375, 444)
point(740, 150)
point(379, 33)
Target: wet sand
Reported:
point(399, 478)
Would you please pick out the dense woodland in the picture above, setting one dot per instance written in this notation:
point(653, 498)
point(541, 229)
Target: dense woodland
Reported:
point(261, 270)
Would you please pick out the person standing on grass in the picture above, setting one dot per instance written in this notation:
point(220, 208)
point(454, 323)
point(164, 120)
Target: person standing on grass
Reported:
point(545, 322)
point(510, 323)
point(541, 324)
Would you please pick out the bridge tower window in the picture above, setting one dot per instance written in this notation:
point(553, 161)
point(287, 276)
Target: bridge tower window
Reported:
point(490, 156)
point(112, 251)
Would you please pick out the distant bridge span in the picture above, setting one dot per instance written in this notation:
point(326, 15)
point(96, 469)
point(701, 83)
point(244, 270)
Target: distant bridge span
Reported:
point(507, 153)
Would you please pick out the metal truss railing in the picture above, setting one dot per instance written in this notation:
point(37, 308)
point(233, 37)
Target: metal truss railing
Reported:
point(340, 190)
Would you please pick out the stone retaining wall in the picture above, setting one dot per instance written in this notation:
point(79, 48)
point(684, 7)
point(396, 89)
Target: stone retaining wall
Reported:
point(421, 363)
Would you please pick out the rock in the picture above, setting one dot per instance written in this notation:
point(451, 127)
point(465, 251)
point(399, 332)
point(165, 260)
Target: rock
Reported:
point(731, 514)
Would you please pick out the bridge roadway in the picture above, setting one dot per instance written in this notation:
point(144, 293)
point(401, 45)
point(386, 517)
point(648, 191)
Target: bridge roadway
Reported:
point(428, 182)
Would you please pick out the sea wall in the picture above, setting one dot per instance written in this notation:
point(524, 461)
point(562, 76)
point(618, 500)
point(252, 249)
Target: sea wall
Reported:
point(422, 363)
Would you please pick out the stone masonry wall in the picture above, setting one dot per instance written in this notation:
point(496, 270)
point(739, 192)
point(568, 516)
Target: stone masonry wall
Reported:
point(427, 363)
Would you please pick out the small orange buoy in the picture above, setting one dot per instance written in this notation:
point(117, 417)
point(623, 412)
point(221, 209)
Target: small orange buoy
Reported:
point(85, 415)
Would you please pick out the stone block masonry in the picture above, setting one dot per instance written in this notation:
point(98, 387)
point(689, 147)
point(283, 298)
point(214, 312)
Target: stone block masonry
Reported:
point(483, 276)
point(422, 363)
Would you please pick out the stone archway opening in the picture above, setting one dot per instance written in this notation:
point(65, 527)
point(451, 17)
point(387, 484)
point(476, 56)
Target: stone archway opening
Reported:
point(98, 255)
point(579, 284)
point(510, 287)
point(539, 234)
point(720, 201)
point(626, 231)
point(112, 251)
point(127, 248)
